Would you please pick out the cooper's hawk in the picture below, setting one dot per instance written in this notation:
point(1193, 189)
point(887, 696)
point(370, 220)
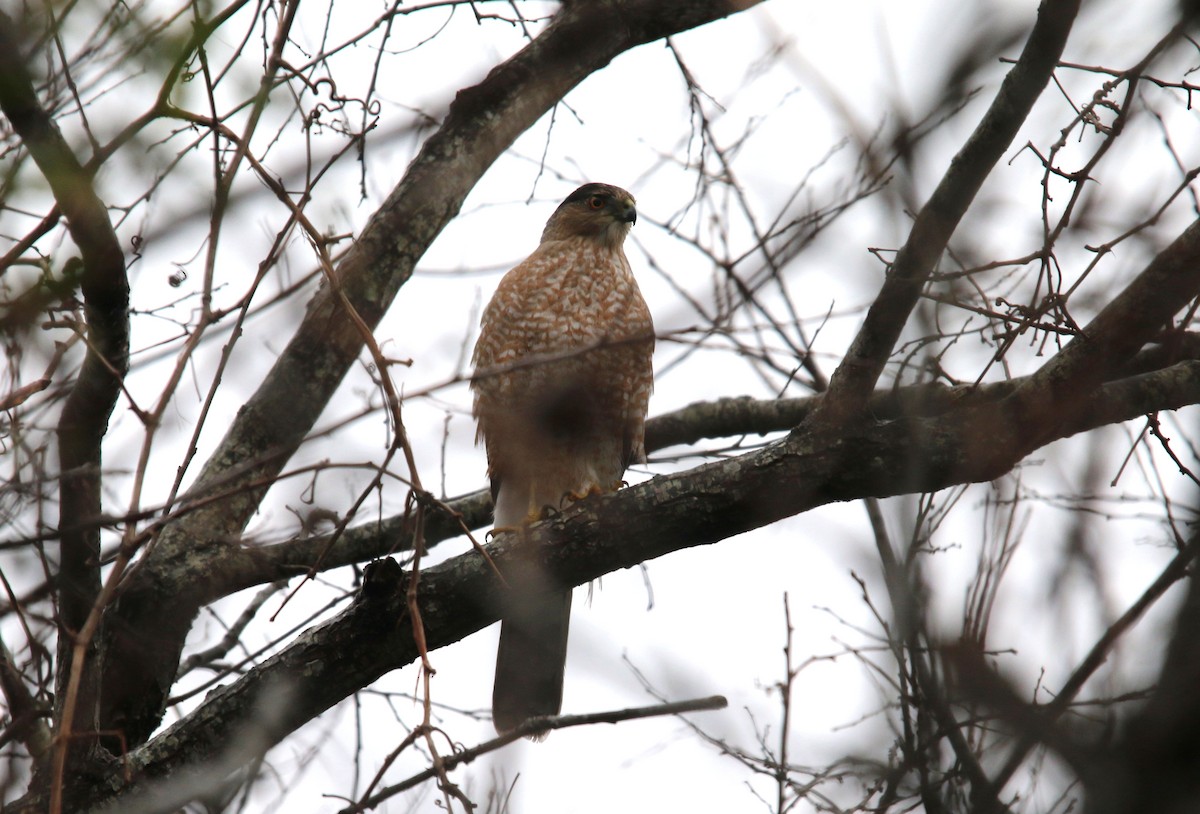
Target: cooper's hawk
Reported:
point(563, 378)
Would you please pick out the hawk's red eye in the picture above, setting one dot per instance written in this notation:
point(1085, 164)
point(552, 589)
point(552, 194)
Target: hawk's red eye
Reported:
point(596, 202)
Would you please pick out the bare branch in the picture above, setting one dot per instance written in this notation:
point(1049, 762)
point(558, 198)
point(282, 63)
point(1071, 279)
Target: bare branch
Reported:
point(83, 422)
point(858, 373)
point(541, 724)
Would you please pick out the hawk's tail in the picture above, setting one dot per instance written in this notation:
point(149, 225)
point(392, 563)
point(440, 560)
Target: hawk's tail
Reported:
point(531, 659)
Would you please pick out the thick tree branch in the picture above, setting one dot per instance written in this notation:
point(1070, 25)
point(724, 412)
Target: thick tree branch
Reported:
point(1124, 399)
point(857, 375)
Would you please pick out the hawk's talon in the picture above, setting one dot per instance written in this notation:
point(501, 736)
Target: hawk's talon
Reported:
point(574, 496)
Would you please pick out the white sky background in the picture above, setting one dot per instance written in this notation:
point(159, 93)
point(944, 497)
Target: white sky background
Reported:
point(716, 624)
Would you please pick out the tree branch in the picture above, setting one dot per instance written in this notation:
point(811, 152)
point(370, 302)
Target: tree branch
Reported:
point(83, 422)
point(534, 725)
point(857, 375)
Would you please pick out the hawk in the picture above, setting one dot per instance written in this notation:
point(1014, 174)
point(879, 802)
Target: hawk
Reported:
point(562, 381)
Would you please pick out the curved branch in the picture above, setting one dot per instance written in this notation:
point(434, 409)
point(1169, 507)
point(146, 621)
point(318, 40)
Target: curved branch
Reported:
point(83, 422)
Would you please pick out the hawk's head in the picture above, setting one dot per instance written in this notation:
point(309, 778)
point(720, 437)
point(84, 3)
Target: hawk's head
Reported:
point(600, 212)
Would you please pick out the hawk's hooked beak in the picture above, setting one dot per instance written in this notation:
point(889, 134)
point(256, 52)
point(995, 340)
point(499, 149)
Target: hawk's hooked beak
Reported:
point(626, 212)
